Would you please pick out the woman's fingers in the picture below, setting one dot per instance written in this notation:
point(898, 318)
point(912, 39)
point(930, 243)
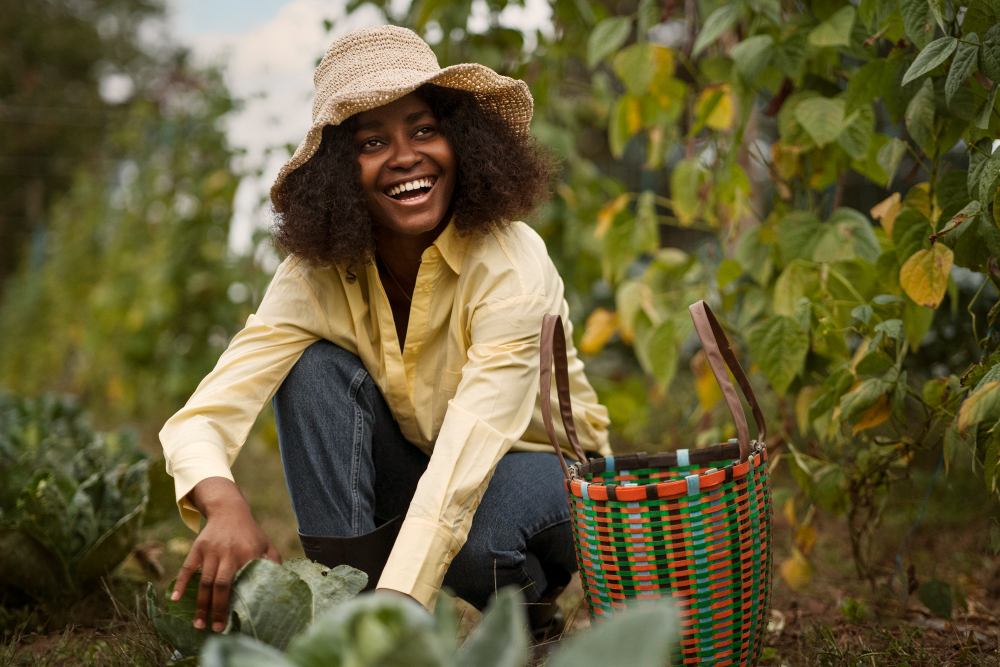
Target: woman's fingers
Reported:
point(220, 593)
point(205, 589)
point(190, 566)
point(272, 554)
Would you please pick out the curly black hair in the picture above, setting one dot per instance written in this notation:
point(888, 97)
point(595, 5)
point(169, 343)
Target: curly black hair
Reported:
point(501, 176)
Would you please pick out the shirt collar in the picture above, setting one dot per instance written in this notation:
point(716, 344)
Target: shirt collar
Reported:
point(452, 246)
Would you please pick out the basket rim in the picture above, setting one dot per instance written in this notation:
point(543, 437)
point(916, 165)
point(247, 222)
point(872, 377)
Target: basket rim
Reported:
point(578, 486)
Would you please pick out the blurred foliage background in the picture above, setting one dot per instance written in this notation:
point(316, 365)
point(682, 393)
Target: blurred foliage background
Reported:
point(822, 172)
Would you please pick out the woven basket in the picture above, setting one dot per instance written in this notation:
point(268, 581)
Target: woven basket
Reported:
point(691, 524)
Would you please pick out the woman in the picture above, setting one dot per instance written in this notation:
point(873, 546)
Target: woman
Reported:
point(399, 341)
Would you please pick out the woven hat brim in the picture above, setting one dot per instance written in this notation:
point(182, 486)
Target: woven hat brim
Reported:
point(509, 98)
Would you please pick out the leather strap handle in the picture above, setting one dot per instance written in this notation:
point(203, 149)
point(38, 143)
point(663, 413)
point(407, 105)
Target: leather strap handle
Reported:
point(720, 355)
point(553, 349)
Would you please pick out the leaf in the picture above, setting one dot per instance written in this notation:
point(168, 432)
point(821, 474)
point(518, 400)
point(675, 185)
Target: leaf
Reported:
point(805, 537)
point(989, 57)
point(910, 233)
point(873, 363)
point(719, 21)
point(983, 120)
point(930, 57)
point(798, 234)
point(608, 212)
point(890, 155)
point(378, 629)
point(798, 280)
point(892, 328)
point(918, 21)
point(886, 299)
point(920, 117)
point(638, 64)
point(626, 120)
point(862, 312)
point(270, 603)
point(705, 385)
point(685, 180)
point(752, 55)
point(979, 155)
point(961, 66)
point(499, 640)
point(836, 30)
point(600, 327)
point(866, 84)
point(847, 224)
point(729, 270)
point(649, 632)
point(856, 137)
point(329, 587)
point(714, 108)
point(982, 406)
point(661, 353)
point(796, 570)
point(936, 595)
point(924, 276)
point(240, 651)
point(886, 211)
point(917, 321)
point(822, 118)
point(779, 347)
point(176, 624)
point(607, 37)
point(875, 415)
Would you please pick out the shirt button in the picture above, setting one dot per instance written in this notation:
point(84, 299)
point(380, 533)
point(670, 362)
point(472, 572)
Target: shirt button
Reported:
point(432, 253)
point(427, 288)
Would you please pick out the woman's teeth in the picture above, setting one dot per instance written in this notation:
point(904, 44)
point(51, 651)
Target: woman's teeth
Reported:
point(410, 185)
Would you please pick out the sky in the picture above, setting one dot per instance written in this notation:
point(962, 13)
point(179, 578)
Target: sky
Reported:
point(270, 49)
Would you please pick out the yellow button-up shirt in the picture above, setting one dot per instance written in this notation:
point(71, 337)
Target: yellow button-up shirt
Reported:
point(464, 389)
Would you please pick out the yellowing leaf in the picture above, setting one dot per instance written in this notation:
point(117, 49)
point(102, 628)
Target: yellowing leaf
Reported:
point(601, 326)
point(924, 276)
point(919, 197)
point(663, 60)
point(982, 405)
point(886, 212)
point(607, 214)
point(721, 116)
point(875, 415)
point(789, 512)
point(785, 160)
point(704, 381)
point(802, 403)
point(805, 537)
point(796, 570)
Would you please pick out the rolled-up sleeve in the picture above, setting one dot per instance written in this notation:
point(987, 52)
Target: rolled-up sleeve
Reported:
point(203, 439)
point(490, 411)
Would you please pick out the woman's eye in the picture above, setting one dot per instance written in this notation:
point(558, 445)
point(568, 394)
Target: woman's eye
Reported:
point(427, 128)
point(370, 143)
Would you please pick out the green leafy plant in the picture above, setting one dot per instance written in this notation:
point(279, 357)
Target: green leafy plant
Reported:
point(270, 602)
point(387, 629)
point(71, 499)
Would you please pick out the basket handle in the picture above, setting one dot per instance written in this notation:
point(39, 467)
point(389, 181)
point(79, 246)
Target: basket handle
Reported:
point(720, 354)
point(553, 347)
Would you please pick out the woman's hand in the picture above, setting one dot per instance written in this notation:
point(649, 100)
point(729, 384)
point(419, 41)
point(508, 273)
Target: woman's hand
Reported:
point(230, 539)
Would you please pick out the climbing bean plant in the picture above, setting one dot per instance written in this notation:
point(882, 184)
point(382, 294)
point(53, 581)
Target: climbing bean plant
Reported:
point(821, 171)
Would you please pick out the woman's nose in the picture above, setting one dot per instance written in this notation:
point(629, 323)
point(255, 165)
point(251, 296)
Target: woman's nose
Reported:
point(403, 154)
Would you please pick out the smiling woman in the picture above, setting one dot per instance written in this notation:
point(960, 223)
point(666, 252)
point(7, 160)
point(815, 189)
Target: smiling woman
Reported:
point(400, 342)
point(498, 176)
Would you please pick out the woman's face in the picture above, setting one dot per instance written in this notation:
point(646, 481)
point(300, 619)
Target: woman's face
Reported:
point(407, 166)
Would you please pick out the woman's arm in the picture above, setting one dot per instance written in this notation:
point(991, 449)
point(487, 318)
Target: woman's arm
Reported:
point(491, 409)
point(202, 440)
point(231, 538)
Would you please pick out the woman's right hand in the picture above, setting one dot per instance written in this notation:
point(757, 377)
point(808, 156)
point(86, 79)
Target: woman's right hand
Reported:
point(230, 539)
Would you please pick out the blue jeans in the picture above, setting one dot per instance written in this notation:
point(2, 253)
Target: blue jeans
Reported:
point(349, 469)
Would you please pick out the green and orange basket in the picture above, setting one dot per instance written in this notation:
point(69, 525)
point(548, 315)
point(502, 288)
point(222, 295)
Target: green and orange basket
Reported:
point(694, 525)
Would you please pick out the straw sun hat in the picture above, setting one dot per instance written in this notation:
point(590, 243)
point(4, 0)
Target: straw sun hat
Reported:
point(369, 67)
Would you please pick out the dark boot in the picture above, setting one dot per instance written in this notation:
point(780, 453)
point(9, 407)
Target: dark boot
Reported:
point(368, 553)
point(547, 623)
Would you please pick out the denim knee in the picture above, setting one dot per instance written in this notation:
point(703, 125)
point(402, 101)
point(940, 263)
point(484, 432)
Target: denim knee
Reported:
point(322, 364)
